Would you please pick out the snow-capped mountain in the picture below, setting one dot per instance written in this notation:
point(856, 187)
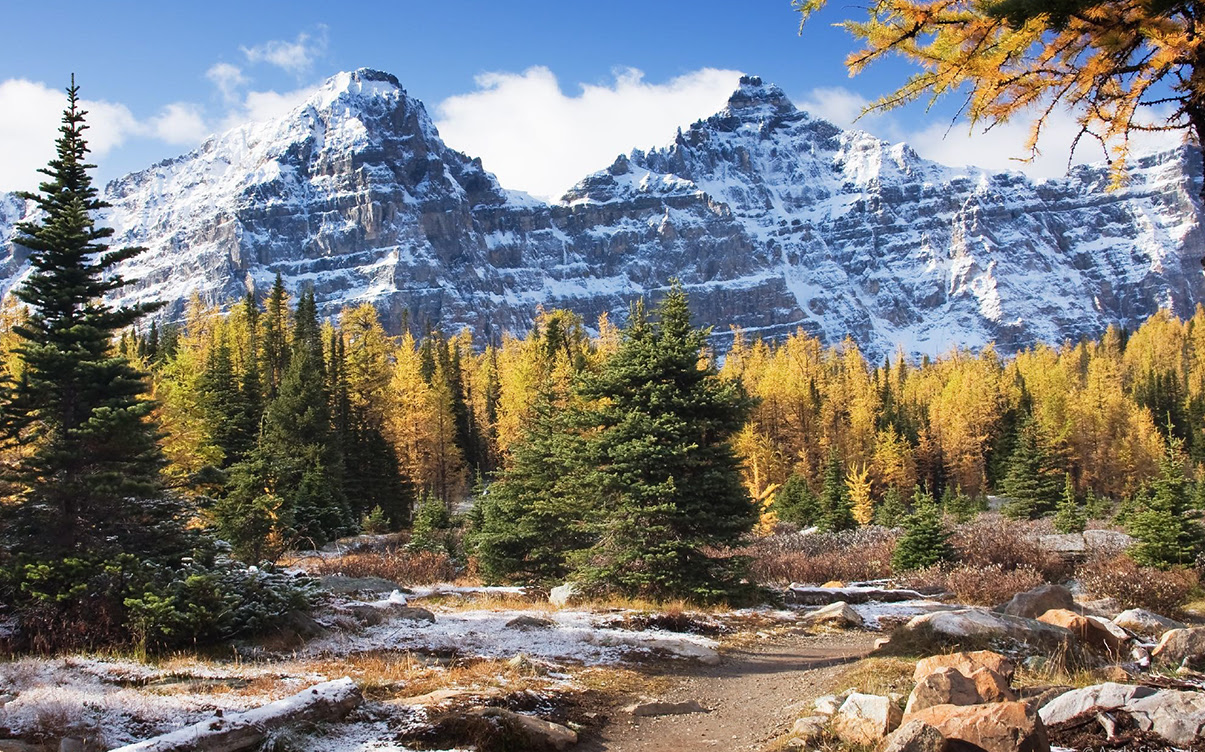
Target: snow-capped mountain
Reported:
point(772, 219)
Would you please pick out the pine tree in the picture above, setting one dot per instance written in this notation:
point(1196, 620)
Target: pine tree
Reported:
point(836, 513)
point(276, 337)
point(891, 511)
point(533, 523)
point(795, 502)
point(925, 541)
point(660, 429)
point(1032, 483)
point(88, 479)
point(1069, 518)
point(1166, 535)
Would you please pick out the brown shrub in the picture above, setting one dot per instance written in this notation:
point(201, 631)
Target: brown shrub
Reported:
point(994, 541)
point(1117, 576)
point(816, 558)
point(397, 565)
point(990, 585)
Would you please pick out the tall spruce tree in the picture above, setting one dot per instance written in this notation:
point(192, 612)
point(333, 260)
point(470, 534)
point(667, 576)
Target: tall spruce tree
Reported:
point(836, 512)
point(1166, 534)
point(926, 540)
point(1069, 517)
point(660, 430)
point(1033, 482)
point(87, 482)
point(795, 503)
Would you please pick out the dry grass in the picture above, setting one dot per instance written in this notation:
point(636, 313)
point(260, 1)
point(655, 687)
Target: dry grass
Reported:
point(1117, 576)
point(852, 555)
point(877, 676)
point(990, 584)
point(395, 564)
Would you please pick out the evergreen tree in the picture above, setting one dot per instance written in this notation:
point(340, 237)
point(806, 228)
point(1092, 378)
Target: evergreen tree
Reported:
point(891, 511)
point(835, 510)
point(925, 541)
point(1032, 483)
point(795, 503)
point(1097, 507)
point(660, 429)
point(534, 520)
point(276, 337)
point(251, 383)
point(87, 481)
point(957, 504)
point(225, 404)
point(1166, 535)
point(1069, 518)
point(431, 525)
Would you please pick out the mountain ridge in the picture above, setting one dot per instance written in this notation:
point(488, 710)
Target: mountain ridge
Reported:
point(773, 219)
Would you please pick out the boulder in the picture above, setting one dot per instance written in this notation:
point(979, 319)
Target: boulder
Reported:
point(995, 727)
point(371, 614)
point(1106, 608)
point(1033, 603)
point(1090, 701)
point(949, 686)
point(540, 733)
point(344, 585)
point(804, 595)
point(565, 595)
point(1145, 623)
point(807, 731)
point(833, 584)
point(660, 707)
point(837, 615)
point(945, 686)
point(830, 704)
point(1090, 631)
point(526, 621)
point(1176, 716)
point(866, 719)
point(966, 662)
point(1039, 696)
point(977, 625)
point(1179, 645)
point(915, 736)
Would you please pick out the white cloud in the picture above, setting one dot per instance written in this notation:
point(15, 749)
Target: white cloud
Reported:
point(228, 78)
point(1001, 147)
point(537, 139)
point(258, 106)
point(180, 123)
point(29, 117)
point(296, 57)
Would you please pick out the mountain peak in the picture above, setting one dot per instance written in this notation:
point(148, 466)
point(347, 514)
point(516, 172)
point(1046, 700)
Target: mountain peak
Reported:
point(754, 96)
point(363, 83)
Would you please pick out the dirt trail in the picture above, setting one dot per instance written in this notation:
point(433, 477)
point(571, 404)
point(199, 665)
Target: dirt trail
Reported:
point(754, 695)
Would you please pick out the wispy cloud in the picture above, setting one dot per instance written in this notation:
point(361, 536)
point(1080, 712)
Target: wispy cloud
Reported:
point(540, 140)
point(229, 80)
point(296, 57)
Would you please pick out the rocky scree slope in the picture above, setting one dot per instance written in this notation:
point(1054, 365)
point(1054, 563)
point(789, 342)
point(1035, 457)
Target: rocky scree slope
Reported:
point(773, 219)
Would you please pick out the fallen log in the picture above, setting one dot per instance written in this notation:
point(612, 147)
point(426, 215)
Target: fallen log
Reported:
point(329, 701)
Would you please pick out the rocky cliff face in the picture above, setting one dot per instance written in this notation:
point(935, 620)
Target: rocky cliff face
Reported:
point(772, 219)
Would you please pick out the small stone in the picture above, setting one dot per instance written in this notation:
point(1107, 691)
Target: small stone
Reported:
point(809, 729)
point(833, 584)
point(527, 621)
point(538, 731)
point(837, 615)
point(565, 595)
point(866, 719)
point(658, 707)
point(915, 736)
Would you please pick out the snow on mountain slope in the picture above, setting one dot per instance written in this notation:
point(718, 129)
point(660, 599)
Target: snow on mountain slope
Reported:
point(772, 219)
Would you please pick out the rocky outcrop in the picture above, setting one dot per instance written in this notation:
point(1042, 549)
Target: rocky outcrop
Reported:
point(774, 221)
point(966, 662)
point(949, 686)
point(996, 727)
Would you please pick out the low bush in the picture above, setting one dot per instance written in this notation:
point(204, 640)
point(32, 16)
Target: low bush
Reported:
point(1118, 576)
point(401, 565)
point(992, 541)
point(991, 584)
point(815, 558)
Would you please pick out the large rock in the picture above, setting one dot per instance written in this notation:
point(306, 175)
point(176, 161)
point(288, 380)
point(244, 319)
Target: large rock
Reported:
point(976, 625)
point(915, 736)
point(803, 595)
point(808, 730)
point(565, 595)
point(1179, 645)
point(540, 734)
point(837, 615)
point(966, 662)
point(1091, 632)
point(1090, 701)
point(1145, 623)
point(866, 719)
point(1178, 717)
point(949, 686)
point(1033, 603)
point(650, 708)
point(995, 727)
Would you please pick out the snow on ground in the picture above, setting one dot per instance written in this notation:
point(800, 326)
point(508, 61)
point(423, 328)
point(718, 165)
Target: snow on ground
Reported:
point(578, 636)
point(882, 615)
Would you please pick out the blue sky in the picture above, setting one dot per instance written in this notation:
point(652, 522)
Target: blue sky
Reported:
point(162, 75)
